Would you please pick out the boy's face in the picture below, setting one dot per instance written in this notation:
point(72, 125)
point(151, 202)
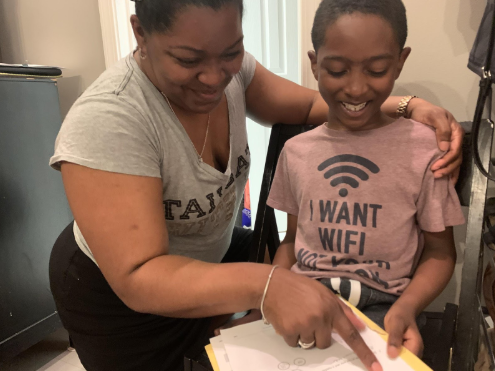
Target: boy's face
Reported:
point(356, 68)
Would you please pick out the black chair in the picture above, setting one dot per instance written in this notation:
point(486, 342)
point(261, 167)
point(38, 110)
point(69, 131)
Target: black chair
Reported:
point(451, 335)
point(191, 364)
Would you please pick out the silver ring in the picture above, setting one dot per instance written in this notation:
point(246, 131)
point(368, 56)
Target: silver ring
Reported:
point(306, 345)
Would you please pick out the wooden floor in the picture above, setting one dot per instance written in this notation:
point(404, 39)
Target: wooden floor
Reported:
point(50, 354)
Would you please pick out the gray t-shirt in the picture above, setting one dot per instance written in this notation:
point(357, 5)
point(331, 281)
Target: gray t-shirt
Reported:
point(122, 124)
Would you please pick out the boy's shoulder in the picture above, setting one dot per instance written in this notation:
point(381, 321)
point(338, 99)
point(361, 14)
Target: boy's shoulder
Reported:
point(418, 129)
point(406, 129)
point(402, 135)
point(301, 141)
point(414, 139)
point(423, 136)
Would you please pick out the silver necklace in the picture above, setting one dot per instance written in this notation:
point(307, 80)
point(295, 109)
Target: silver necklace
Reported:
point(207, 128)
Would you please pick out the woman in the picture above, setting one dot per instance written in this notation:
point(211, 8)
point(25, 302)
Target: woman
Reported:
point(154, 160)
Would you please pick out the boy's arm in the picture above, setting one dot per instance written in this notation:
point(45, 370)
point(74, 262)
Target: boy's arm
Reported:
point(433, 273)
point(285, 256)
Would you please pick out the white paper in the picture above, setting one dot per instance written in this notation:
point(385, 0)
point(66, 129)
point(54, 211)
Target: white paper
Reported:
point(256, 346)
point(220, 353)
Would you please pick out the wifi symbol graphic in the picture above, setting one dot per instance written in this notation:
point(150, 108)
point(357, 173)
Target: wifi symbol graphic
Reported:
point(342, 172)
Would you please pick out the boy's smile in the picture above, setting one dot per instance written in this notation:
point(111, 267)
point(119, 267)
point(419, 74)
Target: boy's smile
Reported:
point(356, 68)
point(354, 107)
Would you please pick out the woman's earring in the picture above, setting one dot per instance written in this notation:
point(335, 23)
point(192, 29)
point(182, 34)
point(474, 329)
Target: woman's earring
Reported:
point(141, 54)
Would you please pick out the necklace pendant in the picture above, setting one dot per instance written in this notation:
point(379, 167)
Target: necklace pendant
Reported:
point(201, 159)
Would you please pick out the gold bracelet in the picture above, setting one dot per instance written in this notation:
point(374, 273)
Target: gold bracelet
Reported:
point(265, 321)
point(402, 108)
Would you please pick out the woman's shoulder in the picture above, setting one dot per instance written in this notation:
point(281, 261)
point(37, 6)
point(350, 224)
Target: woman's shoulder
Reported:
point(121, 85)
point(245, 75)
point(120, 90)
point(107, 129)
point(113, 80)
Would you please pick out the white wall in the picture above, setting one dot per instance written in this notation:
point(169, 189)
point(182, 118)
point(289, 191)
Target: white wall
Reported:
point(64, 33)
point(271, 33)
point(442, 33)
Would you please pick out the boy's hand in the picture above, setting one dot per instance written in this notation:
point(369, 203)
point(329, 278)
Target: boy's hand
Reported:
point(400, 323)
point(255, 315)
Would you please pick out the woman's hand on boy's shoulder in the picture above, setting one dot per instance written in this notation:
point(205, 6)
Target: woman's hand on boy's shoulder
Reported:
point(400, 323)
point(449, 135)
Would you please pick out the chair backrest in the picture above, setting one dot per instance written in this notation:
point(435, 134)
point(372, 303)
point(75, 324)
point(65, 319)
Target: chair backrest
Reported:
point(471, 188)
point(265, 227)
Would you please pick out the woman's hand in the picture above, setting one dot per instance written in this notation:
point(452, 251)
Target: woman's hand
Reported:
point(300, 308)
point(400, 323)
point(449, 135)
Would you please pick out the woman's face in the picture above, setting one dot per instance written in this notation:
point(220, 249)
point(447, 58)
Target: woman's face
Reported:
point(193, 63)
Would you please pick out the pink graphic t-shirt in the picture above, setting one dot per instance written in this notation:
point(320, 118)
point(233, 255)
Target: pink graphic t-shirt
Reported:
point(362, 200)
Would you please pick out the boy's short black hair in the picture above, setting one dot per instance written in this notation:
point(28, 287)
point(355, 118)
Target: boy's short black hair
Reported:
point(159, 15)
point(392, 11)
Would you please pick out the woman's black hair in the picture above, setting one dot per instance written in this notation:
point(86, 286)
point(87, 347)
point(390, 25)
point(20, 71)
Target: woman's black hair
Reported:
point(159, 15)
point(329, 11)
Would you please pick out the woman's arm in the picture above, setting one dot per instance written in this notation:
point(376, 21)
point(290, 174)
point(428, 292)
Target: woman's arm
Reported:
point(433, 273)
point(285, 256)
point(271, 99)
point(123, 221)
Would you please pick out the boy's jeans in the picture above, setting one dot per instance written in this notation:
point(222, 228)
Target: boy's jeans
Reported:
point(373, 303)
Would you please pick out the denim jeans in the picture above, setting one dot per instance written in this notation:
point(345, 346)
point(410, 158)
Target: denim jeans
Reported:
point(373, 303)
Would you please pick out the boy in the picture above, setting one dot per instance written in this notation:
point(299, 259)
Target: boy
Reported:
point(366, 216)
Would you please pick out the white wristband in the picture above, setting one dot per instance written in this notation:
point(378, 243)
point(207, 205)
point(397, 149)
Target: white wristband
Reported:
point(264, 295)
